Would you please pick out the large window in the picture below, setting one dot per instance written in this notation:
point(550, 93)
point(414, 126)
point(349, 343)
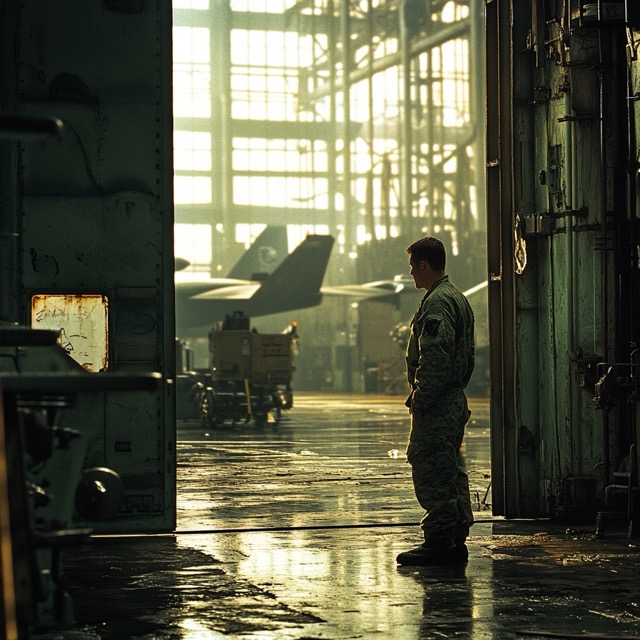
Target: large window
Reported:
point(282, 116)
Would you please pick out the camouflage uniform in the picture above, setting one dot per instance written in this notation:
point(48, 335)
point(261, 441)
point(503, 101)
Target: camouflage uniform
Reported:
point(440, 359)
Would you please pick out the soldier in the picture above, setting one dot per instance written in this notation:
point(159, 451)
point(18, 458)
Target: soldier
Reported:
point(439, 359)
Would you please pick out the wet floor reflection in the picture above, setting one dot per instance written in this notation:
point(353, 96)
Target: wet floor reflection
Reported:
point(292, 533)
point(350, 580)
point(447, 602)
point(343, 583)
point(330, 461)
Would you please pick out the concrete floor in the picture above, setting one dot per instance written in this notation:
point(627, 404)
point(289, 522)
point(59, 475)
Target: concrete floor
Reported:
point(292, 532)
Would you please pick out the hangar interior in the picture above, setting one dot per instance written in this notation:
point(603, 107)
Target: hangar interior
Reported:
point(351, 119)
point(134, 134)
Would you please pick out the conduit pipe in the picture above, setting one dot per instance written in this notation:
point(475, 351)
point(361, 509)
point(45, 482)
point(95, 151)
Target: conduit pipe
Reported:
point(570, 168)
point(604, 272)
point(604, 269)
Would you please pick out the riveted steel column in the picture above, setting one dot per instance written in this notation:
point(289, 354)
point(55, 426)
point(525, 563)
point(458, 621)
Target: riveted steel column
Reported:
point(500, 248)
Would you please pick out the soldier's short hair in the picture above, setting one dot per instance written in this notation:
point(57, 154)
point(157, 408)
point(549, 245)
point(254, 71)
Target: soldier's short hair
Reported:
point(430, 250)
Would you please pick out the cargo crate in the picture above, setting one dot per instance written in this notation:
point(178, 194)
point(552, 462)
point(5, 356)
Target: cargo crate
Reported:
point(247, 354)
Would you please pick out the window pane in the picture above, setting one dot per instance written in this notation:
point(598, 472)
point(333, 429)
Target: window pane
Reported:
point(192, 190)
point(192, 151)
point(193, 243)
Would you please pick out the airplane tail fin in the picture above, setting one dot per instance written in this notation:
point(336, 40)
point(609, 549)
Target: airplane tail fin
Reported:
point(301, 273)
point(264, 255)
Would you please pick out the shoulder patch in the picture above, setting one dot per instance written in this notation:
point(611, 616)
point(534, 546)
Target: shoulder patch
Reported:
point(431, 326)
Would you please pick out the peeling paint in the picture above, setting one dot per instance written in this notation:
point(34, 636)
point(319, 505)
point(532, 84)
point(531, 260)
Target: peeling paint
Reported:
point(83, 323)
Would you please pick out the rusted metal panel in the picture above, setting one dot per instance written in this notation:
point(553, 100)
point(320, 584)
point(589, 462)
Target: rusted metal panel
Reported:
point(83, 323)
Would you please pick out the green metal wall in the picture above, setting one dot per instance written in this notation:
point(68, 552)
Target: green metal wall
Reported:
point(93, 213)
point(562, 250)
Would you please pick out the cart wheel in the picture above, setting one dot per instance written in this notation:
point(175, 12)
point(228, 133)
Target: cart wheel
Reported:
point(209, 408)
point(193, 399)
point(260, 419)
point(288, 395)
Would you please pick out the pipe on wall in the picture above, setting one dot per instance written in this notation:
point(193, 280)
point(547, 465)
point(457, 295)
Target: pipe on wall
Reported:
point(571, 272)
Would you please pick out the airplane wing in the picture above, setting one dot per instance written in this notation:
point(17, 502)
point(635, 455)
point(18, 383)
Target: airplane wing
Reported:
point(385, 290)
point(236, 291)
point(197, 288)
point(295, 284)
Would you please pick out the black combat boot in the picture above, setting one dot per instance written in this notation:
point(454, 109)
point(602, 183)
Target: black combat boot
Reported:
point(435, 552)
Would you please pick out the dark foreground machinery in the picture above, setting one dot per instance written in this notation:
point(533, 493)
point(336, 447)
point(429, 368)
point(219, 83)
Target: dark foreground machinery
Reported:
point(249, 378)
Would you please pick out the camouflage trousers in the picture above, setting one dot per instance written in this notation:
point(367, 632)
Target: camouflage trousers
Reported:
point(440, 481)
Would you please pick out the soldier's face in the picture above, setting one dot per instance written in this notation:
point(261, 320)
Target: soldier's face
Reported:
point(417, 271)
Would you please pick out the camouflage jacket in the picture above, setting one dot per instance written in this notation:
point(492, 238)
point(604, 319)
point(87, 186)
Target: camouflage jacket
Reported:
point(440, 352)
